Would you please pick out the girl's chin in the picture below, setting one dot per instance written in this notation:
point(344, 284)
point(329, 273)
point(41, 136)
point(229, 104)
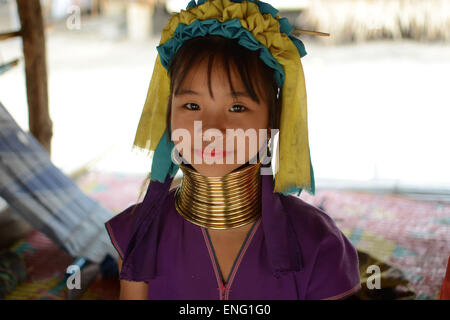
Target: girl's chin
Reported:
point(215, 170)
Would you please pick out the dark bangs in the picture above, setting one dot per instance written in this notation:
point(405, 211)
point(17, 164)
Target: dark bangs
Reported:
point(257, 77)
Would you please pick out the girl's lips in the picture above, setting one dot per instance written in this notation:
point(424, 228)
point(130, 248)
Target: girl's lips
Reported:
point(212, 153)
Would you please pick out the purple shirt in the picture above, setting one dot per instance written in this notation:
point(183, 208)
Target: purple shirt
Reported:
point(293, 251)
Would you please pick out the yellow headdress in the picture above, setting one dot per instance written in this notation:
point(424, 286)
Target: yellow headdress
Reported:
point(257, 26)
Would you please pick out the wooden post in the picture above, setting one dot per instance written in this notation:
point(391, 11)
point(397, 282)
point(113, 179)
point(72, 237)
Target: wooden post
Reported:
point(140, 19)
point(33, 36)
point(94, 8)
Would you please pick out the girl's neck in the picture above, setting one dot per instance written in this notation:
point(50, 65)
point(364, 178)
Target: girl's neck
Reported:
point(227, 202)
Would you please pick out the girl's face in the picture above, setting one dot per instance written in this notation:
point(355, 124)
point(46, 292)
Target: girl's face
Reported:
point(220, 111)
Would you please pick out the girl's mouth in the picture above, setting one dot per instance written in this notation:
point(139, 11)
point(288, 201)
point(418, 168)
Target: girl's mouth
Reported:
point(212, 153)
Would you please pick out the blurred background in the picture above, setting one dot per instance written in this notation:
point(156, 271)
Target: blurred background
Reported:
point(377, 102)
point(378, 112)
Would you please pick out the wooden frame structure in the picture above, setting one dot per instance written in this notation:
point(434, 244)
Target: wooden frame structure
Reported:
point(33, 37)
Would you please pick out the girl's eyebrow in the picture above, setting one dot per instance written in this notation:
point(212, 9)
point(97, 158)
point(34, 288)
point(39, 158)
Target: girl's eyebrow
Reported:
point(182, 92)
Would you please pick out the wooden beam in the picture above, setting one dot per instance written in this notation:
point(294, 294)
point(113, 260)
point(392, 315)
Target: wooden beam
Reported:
point(312, 33)
point(7, 35)
point(30, 13)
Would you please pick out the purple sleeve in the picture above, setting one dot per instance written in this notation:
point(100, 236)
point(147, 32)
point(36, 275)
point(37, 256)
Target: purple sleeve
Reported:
point(120, 229)
point(335, 274)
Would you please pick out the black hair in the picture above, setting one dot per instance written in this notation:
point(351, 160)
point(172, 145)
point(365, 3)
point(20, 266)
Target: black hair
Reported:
point(253, 71)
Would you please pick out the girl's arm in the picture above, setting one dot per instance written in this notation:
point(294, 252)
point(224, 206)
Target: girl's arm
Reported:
point(132, 290)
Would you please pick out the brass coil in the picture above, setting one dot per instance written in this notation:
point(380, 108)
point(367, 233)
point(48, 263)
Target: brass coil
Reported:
point(226, 202)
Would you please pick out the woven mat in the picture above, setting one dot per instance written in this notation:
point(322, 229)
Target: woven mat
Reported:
point(46, 266)
point(413, 236)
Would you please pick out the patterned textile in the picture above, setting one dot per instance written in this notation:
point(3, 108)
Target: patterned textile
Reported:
point(410, 235)
point(46, 265)
point(12, 271)
point(46, 198)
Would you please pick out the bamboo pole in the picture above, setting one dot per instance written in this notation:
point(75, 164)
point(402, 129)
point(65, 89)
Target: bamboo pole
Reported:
point(33, 37)
point(312, 33)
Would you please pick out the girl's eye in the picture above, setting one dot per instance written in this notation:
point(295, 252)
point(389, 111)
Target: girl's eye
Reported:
point(237, 108)
point(192, 106)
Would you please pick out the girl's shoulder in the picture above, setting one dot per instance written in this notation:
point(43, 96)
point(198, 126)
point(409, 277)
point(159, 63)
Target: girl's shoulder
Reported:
point(307, 218)
point(120, 228)
point(125, 224)
point(330, 260)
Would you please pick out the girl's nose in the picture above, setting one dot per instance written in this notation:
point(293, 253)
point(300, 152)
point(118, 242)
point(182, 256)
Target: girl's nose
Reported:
point(213, 119)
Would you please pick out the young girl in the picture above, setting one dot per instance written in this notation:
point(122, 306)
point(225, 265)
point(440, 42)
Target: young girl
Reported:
point(226, 69)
